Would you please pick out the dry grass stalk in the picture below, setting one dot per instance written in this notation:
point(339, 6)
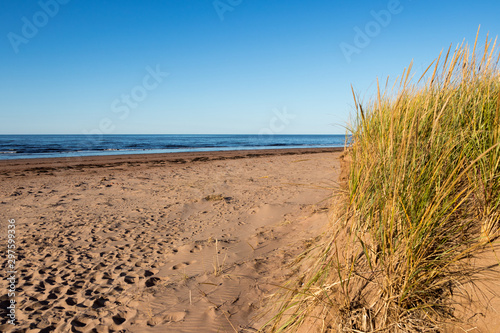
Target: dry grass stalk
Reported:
point(423, 195)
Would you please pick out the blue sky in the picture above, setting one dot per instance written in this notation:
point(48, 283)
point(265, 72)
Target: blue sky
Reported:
point(211, 67)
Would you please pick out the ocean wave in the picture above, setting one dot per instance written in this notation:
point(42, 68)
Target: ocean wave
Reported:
point(109, 149)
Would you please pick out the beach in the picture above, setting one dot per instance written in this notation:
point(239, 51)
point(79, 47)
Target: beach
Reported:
point(187, 242)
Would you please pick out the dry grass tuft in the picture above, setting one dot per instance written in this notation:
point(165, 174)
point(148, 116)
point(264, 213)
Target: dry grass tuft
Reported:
point(422, 197)
point(214, 197)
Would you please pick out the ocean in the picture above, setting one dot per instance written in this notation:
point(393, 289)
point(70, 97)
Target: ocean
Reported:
point(42, 146)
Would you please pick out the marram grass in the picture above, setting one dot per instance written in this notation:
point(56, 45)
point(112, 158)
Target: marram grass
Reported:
point(422, 196)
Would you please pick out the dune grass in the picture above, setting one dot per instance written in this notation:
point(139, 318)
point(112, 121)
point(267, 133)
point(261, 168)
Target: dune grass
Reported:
point(422, 196)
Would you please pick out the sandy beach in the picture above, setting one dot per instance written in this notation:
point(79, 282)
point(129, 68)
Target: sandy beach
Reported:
point(189, 242)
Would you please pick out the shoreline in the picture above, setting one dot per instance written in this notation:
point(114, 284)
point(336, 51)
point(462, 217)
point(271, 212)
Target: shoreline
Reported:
point(51, 163)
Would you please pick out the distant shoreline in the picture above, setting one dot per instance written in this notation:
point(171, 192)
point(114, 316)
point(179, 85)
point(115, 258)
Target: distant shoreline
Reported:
point(63, 146)
point(51, 163)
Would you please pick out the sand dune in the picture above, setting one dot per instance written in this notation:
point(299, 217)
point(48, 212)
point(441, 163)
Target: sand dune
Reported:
point(189, 243)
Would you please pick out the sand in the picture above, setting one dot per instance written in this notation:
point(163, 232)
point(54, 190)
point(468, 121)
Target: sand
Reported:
point(192, 242)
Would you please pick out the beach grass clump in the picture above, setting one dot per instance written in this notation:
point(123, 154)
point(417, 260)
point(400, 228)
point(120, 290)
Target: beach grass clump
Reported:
point(422, 197)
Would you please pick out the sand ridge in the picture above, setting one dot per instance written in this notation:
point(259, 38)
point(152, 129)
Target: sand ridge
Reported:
point(161, 246)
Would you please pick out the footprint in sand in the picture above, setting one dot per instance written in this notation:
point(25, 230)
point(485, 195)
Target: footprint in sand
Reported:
point(172, 317)
point(196, 248)
point(184, 264)
point(84, 323)
point(132, 278)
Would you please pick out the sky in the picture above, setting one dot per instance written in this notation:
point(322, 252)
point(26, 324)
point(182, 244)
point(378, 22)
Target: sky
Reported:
point(214, 67)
